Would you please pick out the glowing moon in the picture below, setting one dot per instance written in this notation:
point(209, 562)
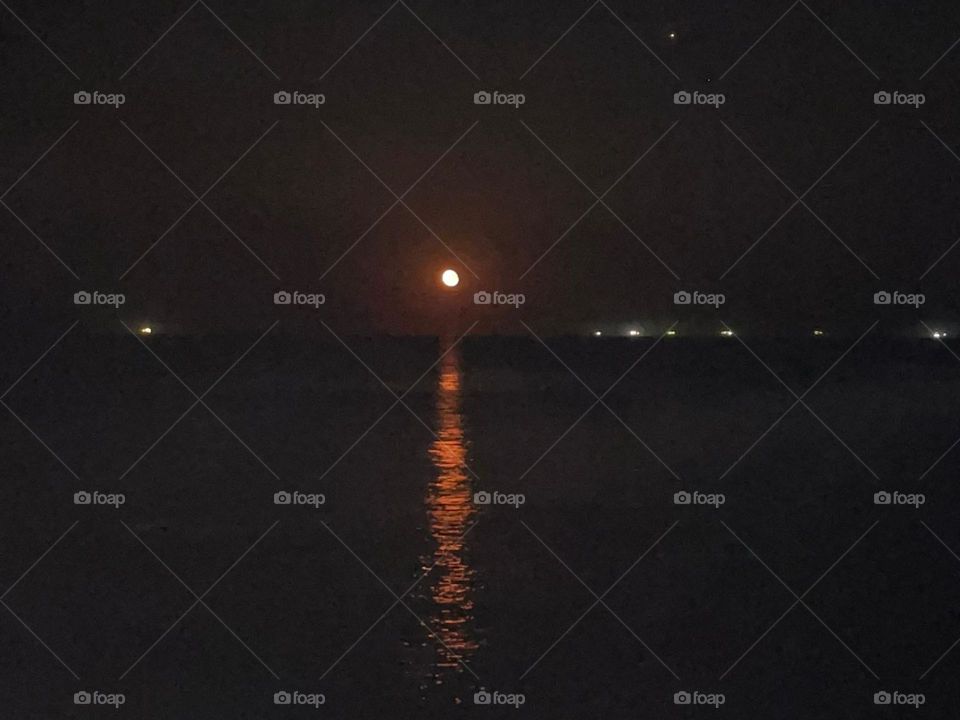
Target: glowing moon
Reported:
point(450, 278)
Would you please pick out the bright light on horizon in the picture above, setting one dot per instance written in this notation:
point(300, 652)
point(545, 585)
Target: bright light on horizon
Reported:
point(146, 330)
point(634, 333)
point(450, 278)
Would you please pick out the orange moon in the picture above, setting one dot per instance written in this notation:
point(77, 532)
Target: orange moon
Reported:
point(450, 278)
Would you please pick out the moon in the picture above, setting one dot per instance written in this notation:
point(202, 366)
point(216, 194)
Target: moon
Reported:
point(450, 278)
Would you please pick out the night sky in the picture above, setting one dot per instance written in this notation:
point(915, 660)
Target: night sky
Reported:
point(488, 190)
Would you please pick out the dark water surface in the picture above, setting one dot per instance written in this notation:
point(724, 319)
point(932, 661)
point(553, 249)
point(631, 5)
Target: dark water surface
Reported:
point(402, 597)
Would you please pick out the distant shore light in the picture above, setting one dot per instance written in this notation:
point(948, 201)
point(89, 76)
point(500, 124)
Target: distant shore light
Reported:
point(727, 333)
point(146, 330)
point(597, 333)
point(818, 332)
point(671, 333)
point(937, 335)
point(634, 333)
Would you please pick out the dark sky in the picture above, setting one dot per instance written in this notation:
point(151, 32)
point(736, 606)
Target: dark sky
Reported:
point(798, 100)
